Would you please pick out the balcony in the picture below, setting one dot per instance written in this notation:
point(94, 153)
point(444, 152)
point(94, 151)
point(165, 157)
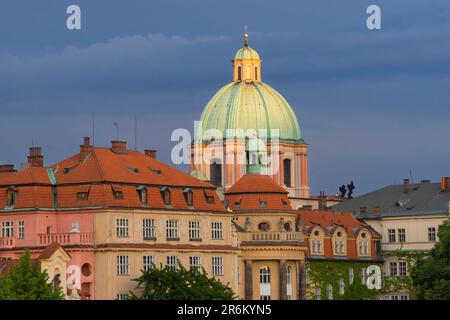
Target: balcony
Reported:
point(67, 238)
point(8, 242)
point(274, 236)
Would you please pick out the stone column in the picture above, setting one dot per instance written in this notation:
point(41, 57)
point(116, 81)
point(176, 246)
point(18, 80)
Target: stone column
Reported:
point(283, 270)
point(248, 274)
point(301, 280)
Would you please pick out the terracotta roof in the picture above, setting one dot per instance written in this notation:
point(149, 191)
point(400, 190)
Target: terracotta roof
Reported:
point(50, 250)
point(256, 183)
point(97, 173)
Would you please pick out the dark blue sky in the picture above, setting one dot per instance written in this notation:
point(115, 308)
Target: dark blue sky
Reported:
point(372, 104)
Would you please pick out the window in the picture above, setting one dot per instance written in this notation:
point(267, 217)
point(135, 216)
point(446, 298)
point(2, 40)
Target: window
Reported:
point(288, 275)
point(339, 247)
point(287, 172)
point(83, 195)
point(318, 293)
point(256, 73)
point(306, 275)
point(401, 235)
point(216, 173)
point(402, 268)
point(7, 229)
point(363, 247)
point(432, 234)
point(165, 193)
point(363, 275)
point(21, 229)
point(172, 229)
point(399, 297)
point(148, 262)
point(122, 227)
point(172, 261)
point(264, 297)
point(142, 194)
point(239, 73)
point(11, 197)
point(217, 232)
point(391, 235)
point(188, 196)
point(393, 269)
point(194, 230)
point(118, 195)
point(264, 226)
point(194, 262)
point(264, 275)
point(148, 229)
point(217, 266)
point(121, 296)
point(329, 292)
point(351, 276)
point(317, 246)
point(123, 265)
point(341, 286)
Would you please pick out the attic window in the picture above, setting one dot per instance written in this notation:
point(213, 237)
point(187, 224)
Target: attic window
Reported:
point(262, 203)
point(67, 170)
point(133, 170)
point(402, 202)
point(157, 171)
point(117, 192)
point(11, 197)
point(142, 194)
point(237, 204)
point(82, 195)
point(165, 194)
point(285, 203)
point(209, 196)
point(188, 196)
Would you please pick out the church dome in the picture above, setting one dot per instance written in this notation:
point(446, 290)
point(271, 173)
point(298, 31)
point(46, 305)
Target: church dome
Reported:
point(248, 103)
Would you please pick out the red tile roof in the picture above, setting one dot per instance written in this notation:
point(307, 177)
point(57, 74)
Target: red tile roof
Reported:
point(256, 183)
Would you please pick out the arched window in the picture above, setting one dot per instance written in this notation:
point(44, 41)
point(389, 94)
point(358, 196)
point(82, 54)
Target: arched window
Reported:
point(363, 244)
point(316, 242)
point(341, 286)
point(287, 172)
point(256, 73)
point(11, 197)
point(239, 73)
point(318, 293)
point(216, 173)
point(288, 275)
point(264, 275)
point(329, 292)
point(248, 74)
point(339, 243)
point(165, 193)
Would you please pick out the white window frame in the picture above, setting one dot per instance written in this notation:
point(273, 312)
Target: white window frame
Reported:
point(148, 262)
point(217, 266)
point(148, 229)
point(195, 262)
point(330, 291)
point(7, 229)
point(401, 235)
point(432, 234)
point(172, 261)
point(194, 230)
point(122, 228)
point(123, 265)
point(21, 229)
point(392, 237)
point(217, 230)
point(172, 229)
point(402, 269)
point(393, 269)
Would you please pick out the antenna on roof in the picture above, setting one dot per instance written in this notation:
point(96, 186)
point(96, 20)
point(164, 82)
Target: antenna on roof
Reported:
point(93, 128)
point(135, 132)
point(117, 130)
point(411, 176)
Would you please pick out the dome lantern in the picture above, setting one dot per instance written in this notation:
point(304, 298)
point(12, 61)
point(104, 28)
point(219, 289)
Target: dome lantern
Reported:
point(246, 64)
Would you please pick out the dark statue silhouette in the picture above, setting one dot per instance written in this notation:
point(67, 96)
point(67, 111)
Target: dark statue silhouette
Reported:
point(350, 188)
point(343, 190)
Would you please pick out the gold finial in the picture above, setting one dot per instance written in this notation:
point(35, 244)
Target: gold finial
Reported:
point(246, 37)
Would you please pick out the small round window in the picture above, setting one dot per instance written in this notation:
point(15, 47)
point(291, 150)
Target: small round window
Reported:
point(339, 234)
point(288, 226)
point(264, 226)
point(316, 233)
point(86, 269)
point(363, 235)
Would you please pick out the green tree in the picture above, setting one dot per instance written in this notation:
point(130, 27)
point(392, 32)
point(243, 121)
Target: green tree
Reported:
point(431, 275)
point(25, 281)
point(168, 283)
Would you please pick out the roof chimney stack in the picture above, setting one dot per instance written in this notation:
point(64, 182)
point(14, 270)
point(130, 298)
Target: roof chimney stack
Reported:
point(377, 211)
point(150, 153)
point(405, 185)
point(85, 148)
point(6, 168)
point(119, 147)
point(445, 184)
point(36, 159)
point(322, 201)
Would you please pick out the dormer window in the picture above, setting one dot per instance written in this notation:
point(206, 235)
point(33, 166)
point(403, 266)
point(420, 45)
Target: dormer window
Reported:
point(363, 244)
point(82, 195)
point(339, 243)
point(11, 197)
point(262, 203)
point(117, 192)
point(316, 242)
point(188, 196)
point(142, 194)
point(165, 194)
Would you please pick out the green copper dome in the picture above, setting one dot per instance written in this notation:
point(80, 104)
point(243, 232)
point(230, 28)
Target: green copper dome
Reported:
point(250, 105)
point(246, 53)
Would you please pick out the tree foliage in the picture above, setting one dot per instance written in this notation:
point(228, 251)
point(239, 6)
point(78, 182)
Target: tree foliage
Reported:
point(25, 281)
point(431, 275)
point(168, 283)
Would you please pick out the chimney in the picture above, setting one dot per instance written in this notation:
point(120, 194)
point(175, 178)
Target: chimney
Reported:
point(445, 184)
point(362, 211)
point(119, 146)
point(150, 153)
point(85, 148)
point(405, 185)
point(5, 168)
point(322, 201)
point(36, 159)
point(377, 211)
